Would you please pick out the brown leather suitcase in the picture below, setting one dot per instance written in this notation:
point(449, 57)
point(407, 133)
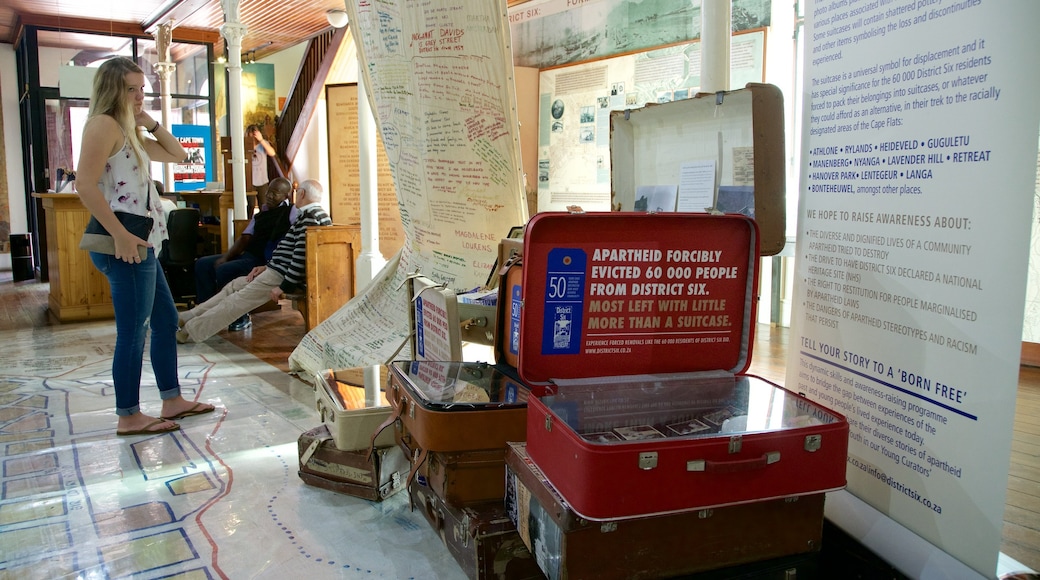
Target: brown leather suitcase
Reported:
point(459, 477)
point(480, 536)
point(355, 473)
point(567, 546)
point(454, 407)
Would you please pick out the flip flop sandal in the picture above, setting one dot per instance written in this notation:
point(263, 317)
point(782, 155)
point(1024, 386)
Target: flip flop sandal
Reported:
point(196, 409)
point(148, 429)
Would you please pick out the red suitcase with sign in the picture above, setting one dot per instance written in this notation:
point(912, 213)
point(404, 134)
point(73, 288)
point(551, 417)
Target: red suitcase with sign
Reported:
point(659, 309)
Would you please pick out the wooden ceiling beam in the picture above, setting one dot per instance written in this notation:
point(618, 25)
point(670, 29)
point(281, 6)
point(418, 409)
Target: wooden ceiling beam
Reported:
point(108, 27)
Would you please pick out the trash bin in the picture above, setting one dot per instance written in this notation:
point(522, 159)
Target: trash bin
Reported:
point(21, 257)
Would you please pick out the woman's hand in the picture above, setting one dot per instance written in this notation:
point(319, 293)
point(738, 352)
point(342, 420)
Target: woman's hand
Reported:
point(143, 119)
point(126, 247)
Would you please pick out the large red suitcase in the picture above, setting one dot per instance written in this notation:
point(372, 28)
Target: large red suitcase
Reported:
point(567, 546)
point(659, 310)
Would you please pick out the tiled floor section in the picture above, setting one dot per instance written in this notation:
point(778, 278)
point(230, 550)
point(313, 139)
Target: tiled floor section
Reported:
point(221, 498)
point(218, 499)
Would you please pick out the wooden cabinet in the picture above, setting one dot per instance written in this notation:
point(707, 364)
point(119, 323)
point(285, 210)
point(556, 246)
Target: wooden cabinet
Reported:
point(332, 253)
point(78, 290)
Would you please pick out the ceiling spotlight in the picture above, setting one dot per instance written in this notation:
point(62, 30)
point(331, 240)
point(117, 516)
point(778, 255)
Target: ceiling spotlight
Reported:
point(337, 18)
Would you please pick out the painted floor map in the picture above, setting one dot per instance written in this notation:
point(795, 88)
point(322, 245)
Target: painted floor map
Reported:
point(219, 499)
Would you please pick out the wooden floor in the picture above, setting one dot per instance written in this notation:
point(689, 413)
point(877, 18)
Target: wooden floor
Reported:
point(274, 335)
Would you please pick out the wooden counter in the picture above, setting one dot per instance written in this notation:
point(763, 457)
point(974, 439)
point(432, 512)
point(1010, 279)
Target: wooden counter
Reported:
point(78, 290)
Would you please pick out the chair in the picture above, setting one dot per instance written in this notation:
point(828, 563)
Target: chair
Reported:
point(179, 253)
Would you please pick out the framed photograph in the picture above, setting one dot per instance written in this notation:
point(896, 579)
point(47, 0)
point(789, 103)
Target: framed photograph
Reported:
point(691, 427)
point(717, 417)
point(601, 437)
point(638, 432)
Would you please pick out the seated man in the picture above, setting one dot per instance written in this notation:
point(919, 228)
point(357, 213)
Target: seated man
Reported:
point(253, 248)
point(283, 273)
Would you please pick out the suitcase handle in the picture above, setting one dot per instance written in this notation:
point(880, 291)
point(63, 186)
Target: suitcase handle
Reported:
point(389, 421)
point(766, 459)
point(417, 460)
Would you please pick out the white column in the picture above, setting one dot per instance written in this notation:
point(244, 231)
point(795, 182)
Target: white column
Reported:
point(370, 261)
point(165, 69)
point(233, 33)
point(715, 37)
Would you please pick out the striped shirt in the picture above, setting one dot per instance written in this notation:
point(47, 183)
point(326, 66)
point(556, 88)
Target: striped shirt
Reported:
point(290, 255)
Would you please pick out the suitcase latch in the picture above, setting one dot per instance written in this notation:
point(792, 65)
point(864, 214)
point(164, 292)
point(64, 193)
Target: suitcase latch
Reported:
point(705, 514)
point(735, 443)
point(411, 409)
point(548, 422)
point(648, 460)
point(461, 531)
point(813, 442)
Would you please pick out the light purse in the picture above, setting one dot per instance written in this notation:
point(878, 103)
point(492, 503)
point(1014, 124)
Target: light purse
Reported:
point(97, 239)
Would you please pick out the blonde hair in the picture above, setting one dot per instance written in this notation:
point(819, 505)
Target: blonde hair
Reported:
point(110, 97)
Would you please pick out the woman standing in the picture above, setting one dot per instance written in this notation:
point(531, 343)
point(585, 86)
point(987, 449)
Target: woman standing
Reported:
point(113, 176)
point(263, 154)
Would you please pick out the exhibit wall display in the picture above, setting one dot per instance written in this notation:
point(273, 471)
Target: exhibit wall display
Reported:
point(918, 173)
point(344, 178)
point(439, 79)
point(576, 102)
point(552, 33)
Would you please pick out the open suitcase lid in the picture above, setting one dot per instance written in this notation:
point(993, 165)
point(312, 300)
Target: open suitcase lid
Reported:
point(625, 293)
point(740, 131)
point(357, 389)
point(460, 386)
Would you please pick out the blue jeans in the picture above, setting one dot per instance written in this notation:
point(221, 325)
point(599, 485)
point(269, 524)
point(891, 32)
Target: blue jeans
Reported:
point(210, 278)
point(141, 299)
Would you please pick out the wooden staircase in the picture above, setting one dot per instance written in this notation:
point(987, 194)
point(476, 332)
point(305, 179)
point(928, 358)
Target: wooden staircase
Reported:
point(305, 91)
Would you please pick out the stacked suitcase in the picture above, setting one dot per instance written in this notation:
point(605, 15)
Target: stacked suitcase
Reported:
point(454, 420)
point(336, 455)
point(619, 435)
point(778, 535)
point(649, 451)
point(670, 460)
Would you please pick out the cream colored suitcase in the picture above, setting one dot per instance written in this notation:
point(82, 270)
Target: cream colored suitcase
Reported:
point(352, 404)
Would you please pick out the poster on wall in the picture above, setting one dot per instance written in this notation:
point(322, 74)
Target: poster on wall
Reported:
point(258, 100)
point(344, 191)
point(911, 280)
point(553, 33)
point(193, 173)
point(576, 102)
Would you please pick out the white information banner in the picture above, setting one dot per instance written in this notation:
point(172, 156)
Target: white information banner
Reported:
point(440, 80)
point(918, 169)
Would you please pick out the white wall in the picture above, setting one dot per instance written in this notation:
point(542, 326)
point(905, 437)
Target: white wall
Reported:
point(286, 63)
point(13, 143)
